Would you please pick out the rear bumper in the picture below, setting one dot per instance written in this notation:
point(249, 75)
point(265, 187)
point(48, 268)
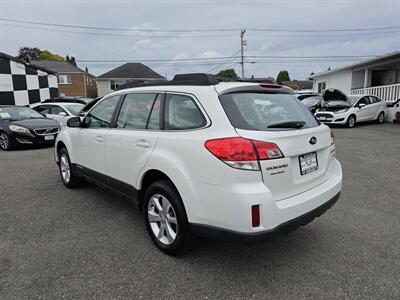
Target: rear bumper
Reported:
point(253, 237)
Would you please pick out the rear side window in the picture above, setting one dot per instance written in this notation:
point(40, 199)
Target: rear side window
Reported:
point(181, 112)
point(269, 112)
point(135, 111)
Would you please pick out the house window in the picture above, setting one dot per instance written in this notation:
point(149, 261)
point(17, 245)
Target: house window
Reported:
point(88, 80)
point(114, 84)
point(321, 87)
point(64, 79)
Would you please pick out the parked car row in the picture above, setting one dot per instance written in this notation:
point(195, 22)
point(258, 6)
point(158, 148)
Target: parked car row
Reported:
point(335, 107)
point(39, 123)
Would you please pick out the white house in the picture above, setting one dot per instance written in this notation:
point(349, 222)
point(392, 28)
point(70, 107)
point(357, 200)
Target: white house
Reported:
point(111, 80)
point(379, 76)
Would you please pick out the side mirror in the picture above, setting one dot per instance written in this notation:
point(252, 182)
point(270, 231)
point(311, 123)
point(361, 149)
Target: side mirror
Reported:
point(61, 113)
point(361, 105)
point(74, 122)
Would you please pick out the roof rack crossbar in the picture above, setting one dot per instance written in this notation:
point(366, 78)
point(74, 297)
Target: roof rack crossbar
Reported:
point(200, 79)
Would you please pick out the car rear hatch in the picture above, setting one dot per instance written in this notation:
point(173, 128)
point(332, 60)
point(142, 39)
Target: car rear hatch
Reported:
point(304, 165)
point(279, 118)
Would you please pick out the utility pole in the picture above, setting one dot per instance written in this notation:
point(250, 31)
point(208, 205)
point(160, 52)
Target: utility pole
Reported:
point(242, 44)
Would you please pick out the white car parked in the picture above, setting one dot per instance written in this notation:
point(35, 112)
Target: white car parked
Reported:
point(348, 110)
point(59, 111)
point(237, 161)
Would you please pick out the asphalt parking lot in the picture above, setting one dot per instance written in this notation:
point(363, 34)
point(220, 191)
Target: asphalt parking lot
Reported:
point(88, 243)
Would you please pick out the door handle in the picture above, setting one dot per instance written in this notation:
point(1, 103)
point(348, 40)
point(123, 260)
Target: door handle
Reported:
point(143, 144)
point(99, 139)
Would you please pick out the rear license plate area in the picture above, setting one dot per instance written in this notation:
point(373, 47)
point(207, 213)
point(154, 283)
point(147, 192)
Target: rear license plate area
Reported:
point(308, 163)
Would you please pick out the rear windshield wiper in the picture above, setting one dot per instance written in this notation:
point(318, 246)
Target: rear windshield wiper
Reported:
point(291, 124)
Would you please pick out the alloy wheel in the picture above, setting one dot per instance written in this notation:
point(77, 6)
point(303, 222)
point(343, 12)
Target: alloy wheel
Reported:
point(162, 218)
point(65, 168)
point(4, 142)
point(351, 122)
point(381, 118)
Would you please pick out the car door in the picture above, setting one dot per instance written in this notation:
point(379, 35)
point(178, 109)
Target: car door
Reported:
point(89, 140)
point(363, 111)
point(375, 107)
point(129, 145)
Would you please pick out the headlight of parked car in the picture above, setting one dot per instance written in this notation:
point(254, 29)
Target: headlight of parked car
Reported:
point(18, 129)
point(341, 111)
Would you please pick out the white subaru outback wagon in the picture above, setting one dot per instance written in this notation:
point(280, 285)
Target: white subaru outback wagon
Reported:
point(235, 161)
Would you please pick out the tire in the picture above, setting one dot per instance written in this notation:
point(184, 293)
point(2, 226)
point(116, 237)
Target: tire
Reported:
point(67, 173)
point(381, 118)
point(166, 219)
point(351, 121)
point(6, 142)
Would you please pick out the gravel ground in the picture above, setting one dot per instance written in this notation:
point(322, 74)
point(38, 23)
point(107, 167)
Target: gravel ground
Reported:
point(88, 243)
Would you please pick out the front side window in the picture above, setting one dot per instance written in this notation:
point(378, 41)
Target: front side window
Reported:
point(181, 112)
point(100, 116)
point(363, 100)
point(269, 112)
point(64, 79)
point(43, 109)
point(135, 110)
point(55, 110)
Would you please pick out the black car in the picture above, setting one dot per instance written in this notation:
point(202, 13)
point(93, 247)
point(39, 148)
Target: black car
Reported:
point(313, 103)
point(21, 125)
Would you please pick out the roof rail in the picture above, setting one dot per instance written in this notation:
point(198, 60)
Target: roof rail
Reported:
point(200, 79)
point(196, 79)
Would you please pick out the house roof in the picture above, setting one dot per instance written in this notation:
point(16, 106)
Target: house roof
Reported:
point(395, 54)
point(58, 66)
point(132, 71)
point(6, 56)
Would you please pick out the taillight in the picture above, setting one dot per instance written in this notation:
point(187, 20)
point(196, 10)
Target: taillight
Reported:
point(242, 153)
point(332, 137)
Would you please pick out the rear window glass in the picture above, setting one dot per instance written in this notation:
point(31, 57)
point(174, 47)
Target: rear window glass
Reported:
point(270, 112)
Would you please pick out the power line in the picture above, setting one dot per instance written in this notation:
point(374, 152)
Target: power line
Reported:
point(226, 62)
point(202, 30)
point(221, 59)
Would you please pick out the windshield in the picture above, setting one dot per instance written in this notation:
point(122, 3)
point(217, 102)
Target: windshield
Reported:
point(18, 113)
point(262, 111)
point(74, 108)
point(311, 101)
point(353, 99)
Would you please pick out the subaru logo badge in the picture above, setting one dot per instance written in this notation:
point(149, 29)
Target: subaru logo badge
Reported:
point(313, 140)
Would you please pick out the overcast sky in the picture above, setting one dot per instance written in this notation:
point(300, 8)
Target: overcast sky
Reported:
point(217, 14)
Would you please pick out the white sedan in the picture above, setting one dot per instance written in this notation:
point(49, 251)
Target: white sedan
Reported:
point(59, 111)
point(351, 110)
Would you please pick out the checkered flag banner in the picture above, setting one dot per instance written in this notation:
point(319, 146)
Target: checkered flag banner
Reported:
point(22, 84)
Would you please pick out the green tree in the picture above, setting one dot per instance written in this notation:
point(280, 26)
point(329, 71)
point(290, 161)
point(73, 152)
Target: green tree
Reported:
point(228, 73)
point(47, 55)
point(283, 76)
point(28, 54)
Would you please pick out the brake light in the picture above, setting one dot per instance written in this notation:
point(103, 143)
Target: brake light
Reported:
point(242, 153)
point(332, 137)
